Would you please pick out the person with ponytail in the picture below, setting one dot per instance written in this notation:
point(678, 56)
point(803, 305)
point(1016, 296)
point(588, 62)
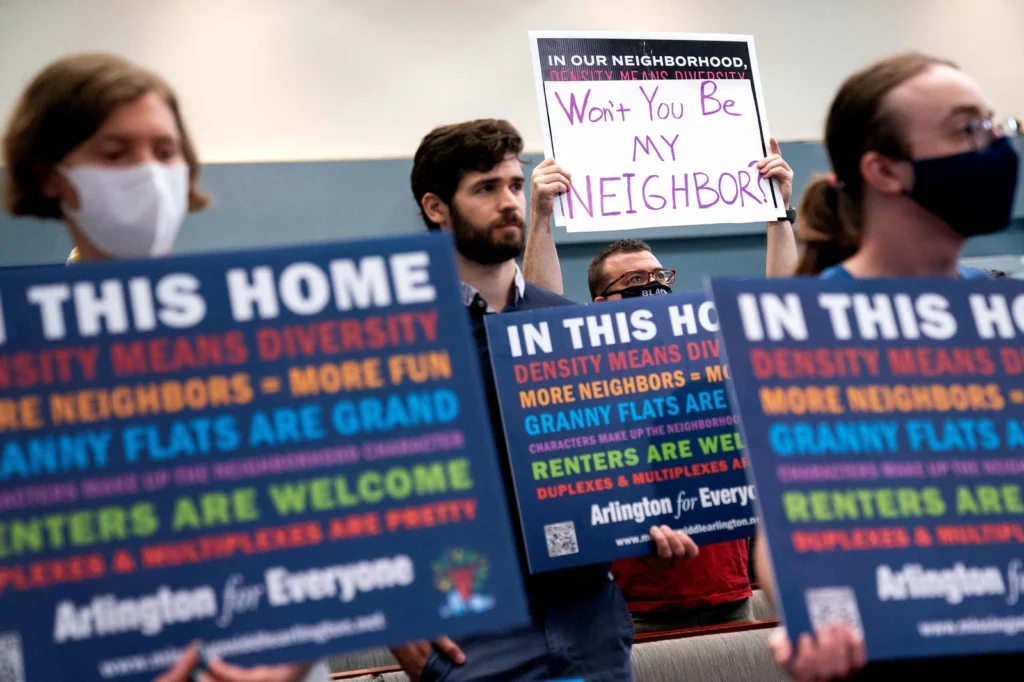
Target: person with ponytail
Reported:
point(919, 166)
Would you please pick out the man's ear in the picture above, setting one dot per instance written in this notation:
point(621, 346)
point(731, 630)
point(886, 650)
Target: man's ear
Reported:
point(885, 174)
point(436, 210)
point(598, 299)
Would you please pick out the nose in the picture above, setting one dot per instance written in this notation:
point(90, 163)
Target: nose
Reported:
point(509, 199)
point(142, 152)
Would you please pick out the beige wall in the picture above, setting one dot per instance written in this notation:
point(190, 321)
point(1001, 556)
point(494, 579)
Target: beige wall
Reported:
point(265, 80)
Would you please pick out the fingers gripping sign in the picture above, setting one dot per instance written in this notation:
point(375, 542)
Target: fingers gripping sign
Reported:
point(450, 650)
point(413, 657)
point(549, 181)
point(219, 671)
point(195, 665)
point(775, 167)
point(671, 547)
point(835, 652)
point(183, 669)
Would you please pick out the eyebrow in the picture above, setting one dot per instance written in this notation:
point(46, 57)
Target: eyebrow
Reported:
point(495, 178)
point(965, 109)
point(120, 137)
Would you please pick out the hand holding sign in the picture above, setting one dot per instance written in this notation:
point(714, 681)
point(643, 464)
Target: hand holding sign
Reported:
point(280, 467)
point(885, 426)
point(671, 547)
point(193, 666)
point(622, 423)
point(183, 669)
point(413, 656)
point(774, 166)
point(219, 671)
point(660, 129)
point(549, 180)
point(834, 653)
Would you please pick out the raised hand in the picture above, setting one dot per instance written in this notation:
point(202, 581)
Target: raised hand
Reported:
point(774, 166)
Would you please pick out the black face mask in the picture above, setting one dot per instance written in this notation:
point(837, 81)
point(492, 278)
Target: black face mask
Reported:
point(650, 289)
point(972, 193)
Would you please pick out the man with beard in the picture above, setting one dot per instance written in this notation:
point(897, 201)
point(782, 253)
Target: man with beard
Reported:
point(467, 178)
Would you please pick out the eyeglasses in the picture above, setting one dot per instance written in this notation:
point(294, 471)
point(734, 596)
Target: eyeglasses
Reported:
point(638, 278)
point(983, 131)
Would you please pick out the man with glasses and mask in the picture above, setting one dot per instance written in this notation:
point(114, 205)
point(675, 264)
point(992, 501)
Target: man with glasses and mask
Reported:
point(919, 165)
point(468, 179)
point(713, 588)
point(627, 269)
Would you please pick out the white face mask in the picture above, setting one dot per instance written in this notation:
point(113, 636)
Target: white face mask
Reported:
point(130, 212)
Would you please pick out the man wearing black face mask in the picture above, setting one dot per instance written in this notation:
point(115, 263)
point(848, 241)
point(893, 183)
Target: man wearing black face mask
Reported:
point(920, 165)
point(627, 269)
point(713, 588)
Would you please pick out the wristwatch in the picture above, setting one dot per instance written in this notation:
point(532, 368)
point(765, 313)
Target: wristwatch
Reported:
point(791, 214)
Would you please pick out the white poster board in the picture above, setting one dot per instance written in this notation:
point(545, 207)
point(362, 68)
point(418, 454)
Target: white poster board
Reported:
point(656, 129)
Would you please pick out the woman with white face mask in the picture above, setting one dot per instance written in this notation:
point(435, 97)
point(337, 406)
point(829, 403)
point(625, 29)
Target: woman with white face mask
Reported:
point(100, 143)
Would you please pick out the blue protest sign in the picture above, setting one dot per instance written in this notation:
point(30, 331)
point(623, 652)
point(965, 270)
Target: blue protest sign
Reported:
point(883, 422)
point(282, 453)
point(617, 419)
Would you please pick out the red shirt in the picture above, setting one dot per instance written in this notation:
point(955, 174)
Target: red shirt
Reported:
point(717, 576)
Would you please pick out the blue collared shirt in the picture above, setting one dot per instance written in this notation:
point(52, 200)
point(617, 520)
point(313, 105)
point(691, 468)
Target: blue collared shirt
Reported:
point(470, 293)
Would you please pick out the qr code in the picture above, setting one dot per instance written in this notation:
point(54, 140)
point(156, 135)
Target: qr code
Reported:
point(830, 605)
point(561, 539)
point(12, 669)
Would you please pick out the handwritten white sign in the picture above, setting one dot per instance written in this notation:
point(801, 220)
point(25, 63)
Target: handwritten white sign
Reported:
point(656, 129)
